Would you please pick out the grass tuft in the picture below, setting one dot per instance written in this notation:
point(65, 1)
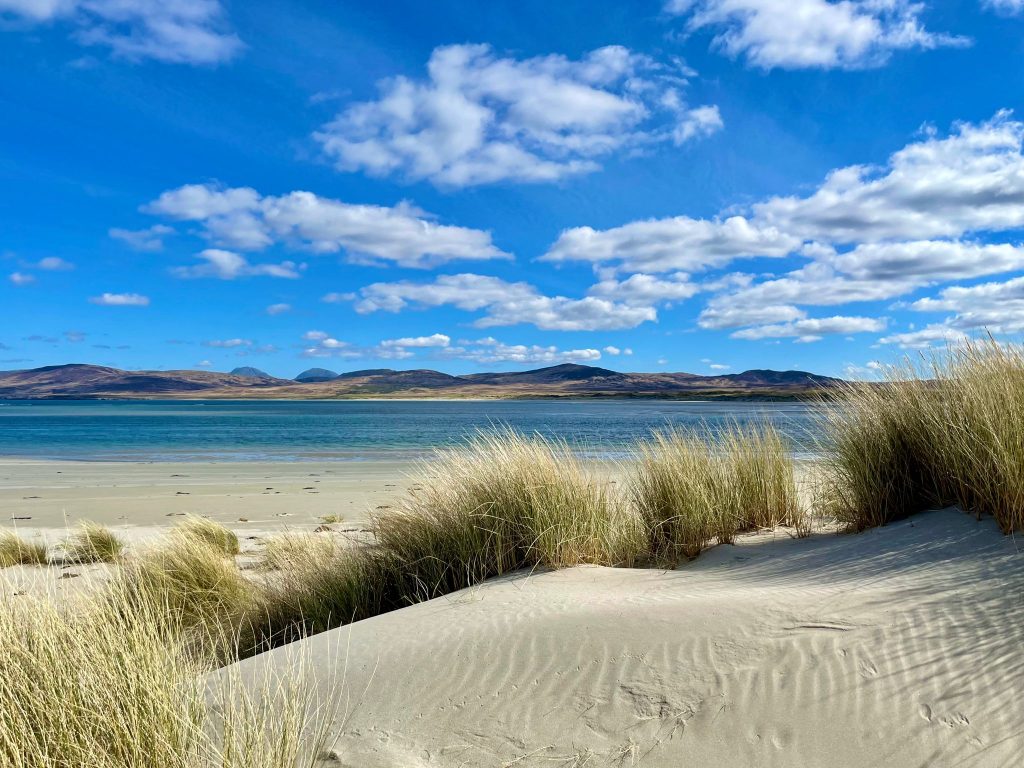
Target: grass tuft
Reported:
point(93, 543)
point(500, 503)
point(198, 588)
point(14, 550)
point(138, 697)
point(689, 492)
point(946, 431)
point(214, 534)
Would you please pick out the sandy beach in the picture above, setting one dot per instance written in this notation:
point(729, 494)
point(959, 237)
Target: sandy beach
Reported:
point(50, 495)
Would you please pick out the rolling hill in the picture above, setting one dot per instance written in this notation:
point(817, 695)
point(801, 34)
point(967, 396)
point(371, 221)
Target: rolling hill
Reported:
point(79, 381)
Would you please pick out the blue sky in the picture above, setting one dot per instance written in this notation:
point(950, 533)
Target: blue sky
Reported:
point(691, 185)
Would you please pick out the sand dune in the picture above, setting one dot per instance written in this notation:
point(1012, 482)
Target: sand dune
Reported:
point(899, 646)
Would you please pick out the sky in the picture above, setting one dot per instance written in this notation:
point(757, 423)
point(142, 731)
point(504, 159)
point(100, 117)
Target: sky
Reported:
point(684, 185)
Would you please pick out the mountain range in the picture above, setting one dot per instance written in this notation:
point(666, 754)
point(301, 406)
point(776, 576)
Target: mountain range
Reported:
point(566, 381)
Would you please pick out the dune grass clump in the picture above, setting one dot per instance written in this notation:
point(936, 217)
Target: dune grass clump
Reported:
point(93, 543)
point(500, 503)
point(199, 588)
point(689, 492)
point(218, 536)
point(949, 431)
point(15, 550)
point(317, 583)
point(86, 684)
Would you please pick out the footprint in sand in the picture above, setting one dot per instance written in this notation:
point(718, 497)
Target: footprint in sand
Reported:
point(867, 669)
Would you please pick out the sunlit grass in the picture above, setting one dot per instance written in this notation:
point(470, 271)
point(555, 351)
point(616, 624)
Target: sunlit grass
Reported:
point(16, 550)
point(949, 430)
point(93, 543)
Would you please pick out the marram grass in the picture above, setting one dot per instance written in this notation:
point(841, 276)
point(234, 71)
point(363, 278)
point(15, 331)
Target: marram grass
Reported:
point(114, 684)
point(503, 502)
point(949, 430)
point(16, 550)
point(689, 492)
point(216, 535)
point(93, 543)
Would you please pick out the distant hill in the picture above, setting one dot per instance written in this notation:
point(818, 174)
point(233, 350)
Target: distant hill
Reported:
point(565, 381)
point(316, 374)
point(251, 372)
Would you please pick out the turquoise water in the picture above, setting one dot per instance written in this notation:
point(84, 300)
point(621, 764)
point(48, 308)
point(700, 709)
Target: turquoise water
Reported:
point(351, 430)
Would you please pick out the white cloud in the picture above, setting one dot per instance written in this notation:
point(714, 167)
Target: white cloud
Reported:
point(645, 290)
point(278, 309)
point(120, 300)
point(204, 364)
point(21, 278)
point(490, 350)
point(972, 180)
point(434, 340)
point(149, 239)
point(719, 366)
point(812, 328)
point(54, 264)
point(228, 265)
point(242, 219)
point(927, 337)
point(723, 312)
point(1004, 7)
point(315, 335)
point(665, 245)
point(613, 351)
point(929, 195)
point(801, 34)
point(228, 343)
point(479, 119)
point(996, 307)
point(504, 303)
point(175, 31)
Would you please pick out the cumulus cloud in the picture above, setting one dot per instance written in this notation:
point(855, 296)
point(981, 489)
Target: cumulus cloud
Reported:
point(228, 343)
point(148, 239)
point(1004, 7)
point(504, 303)
point(243, 219)
point(120, 300)
point(616, 351)
point(434, 340)
point(803, 34)
point(925, 338)
point(723, 312)
point(995, 307)
point(174, 31)
point(478, 118)
point(278, 309)
point(489, 350)
point(54, 264)
point(21, 278)
point(646, 290)
point(679, 243)
point(812, 328)
point(228, 265)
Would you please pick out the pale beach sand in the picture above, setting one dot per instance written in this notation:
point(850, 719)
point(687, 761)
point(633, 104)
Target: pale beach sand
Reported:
point(48, 494)
point(900, 646)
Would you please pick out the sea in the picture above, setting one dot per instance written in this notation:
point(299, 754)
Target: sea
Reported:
point(360, 430)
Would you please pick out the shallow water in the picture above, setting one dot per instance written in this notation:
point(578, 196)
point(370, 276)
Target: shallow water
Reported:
point(354, 430)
